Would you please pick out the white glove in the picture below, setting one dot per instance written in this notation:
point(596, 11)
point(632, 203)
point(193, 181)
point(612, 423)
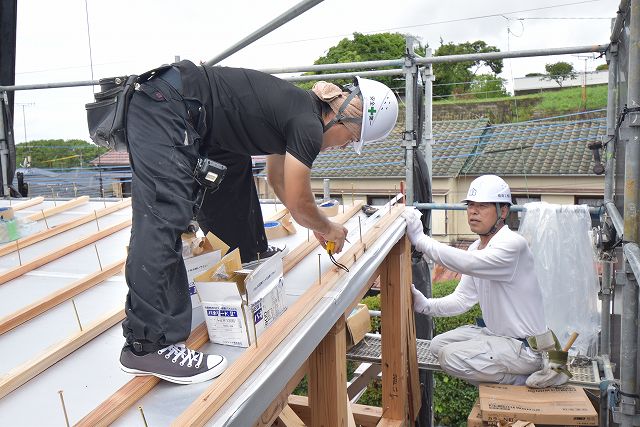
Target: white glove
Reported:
point(420, 302)
point(414, 228)
point(554, 372)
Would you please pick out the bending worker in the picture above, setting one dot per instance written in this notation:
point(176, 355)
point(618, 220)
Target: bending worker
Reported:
point(498, 273)
point(181, 113)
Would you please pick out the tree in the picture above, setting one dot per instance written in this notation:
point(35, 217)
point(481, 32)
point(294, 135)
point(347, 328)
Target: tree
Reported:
point(367, 47)
point(487, 86)
point(602, 67)
point(457, 77)
point(534, 75)
point(58, 153)
point(559, 72)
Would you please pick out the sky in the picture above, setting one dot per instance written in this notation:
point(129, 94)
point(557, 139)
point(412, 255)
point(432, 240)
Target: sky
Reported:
point(132, 36)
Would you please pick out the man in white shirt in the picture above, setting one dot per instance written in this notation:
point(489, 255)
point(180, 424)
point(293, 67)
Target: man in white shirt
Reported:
point(498, 273)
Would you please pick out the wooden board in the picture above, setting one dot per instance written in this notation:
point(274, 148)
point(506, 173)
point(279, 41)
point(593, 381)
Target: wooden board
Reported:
point(61, 207)
point(18, 317)
point(27, 203)
point(223, 387)
point(61, 228)
point(18, 271)
point(23, 373)
point(270, 415)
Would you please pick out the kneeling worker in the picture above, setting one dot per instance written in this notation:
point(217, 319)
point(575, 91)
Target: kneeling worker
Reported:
point(498, 273)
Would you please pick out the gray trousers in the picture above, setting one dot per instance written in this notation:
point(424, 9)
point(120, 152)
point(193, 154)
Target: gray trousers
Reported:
point(476, 355)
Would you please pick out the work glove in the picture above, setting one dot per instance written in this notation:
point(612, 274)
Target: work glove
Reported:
point(554, 371)
point(415, 229)
point(420, 302)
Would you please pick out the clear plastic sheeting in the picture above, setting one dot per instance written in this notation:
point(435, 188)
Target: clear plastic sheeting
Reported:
point(565, 264)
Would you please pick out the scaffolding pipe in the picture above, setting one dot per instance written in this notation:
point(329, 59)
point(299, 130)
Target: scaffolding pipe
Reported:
point(609, 182)
point(287, 16)
point(632, 253)
point(619, 22)
point(629, 323)
point(4, 146)
point(409, 138)
point(462, 207)
point(314, 77)
point(615, 216)
point(599, 48)
point(367, 64)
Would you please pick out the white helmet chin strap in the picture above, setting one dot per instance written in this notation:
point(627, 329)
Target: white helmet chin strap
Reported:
point(499, 222)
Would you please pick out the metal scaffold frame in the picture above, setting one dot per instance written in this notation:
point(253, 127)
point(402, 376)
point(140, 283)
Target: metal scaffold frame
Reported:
point(621, 194)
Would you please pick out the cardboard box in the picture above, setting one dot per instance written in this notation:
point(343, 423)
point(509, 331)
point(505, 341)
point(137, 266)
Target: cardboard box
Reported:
point(358, 324)
point(239, 305)
point(475, 416)
point(566, 405)
point(209, 251)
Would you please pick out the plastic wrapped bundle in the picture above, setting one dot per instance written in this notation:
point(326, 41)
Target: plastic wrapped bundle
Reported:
point(565, 264)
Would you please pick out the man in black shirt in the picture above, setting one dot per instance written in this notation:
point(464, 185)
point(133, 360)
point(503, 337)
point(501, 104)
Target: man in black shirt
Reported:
point(183, 112)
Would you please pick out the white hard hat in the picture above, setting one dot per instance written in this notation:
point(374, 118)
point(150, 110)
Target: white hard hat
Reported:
point(489, 189)
point(379, 111)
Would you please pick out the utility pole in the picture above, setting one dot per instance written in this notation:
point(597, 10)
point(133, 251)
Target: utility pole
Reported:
point(24, 119)
point(584, 80)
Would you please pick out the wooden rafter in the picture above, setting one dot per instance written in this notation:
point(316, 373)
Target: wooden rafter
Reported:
point(61, 228)
point(18, 317)
point(27, 203)
point(23, 373)
point(200, 411)
point(116, 404)
point(14, 272)
point(46, 213)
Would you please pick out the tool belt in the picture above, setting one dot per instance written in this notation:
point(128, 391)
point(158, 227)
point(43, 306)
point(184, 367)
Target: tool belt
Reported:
point(107, 116)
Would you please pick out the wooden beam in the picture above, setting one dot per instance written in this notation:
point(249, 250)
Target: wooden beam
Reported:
point(394, 331)
point(23, 373)
point(365, 416)
point(328, 379)
point(270, 415)
point(57, 209)
point(14, 272)
point(288, 418)
point(415, 392)
point(386, 422)
point(27, 313)
point(27, 203)
point(61, 228)
point(224, 386)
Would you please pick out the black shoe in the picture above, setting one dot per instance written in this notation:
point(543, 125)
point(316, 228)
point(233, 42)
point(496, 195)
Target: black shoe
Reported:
point(175, 363)
point(369, 210)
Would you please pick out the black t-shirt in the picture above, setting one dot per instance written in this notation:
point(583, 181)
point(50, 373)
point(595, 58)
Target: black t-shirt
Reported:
point(253, 113)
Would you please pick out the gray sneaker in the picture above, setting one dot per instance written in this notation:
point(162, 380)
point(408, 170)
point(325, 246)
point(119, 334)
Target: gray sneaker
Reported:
point(175, 363)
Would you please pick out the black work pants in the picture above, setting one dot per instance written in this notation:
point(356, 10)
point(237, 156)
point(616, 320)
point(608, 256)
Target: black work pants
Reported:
point(163, 149)
point(233, 212)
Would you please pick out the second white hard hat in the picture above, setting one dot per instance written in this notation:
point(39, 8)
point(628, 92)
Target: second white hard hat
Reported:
point(489, 189)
